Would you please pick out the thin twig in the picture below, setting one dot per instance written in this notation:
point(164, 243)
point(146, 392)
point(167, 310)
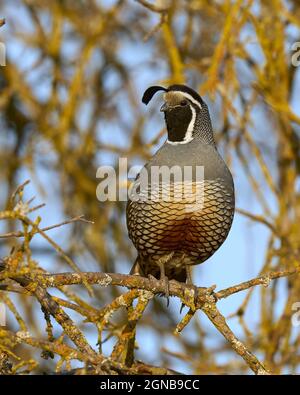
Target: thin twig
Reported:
point(262, 280)
point(79, 218)
point(152, 7)
point(19, 189)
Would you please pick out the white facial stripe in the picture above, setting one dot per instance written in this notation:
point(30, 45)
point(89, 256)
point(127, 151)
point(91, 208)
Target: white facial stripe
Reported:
point(189, 132)
point(178, 142)
point(190, 97)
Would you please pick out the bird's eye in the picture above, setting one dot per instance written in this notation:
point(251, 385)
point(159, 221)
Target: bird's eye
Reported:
point(183, 102)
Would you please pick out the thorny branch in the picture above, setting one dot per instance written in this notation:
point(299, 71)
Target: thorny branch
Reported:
point(195, 298)
point(262, 148)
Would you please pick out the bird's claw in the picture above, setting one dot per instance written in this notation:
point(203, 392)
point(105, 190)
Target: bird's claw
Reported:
point(165, 285)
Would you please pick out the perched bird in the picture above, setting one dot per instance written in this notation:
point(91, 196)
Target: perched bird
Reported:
point(173, 234)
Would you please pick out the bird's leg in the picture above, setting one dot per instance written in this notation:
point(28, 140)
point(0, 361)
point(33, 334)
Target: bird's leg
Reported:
point(161, 264)
point(189, 280)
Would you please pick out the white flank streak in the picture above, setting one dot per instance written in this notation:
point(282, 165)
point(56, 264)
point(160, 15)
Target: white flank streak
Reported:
point(189, 133)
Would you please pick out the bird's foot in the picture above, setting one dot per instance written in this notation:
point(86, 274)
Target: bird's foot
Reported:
point(166, 287)
point(164, 280)
point(152, 279)
point(191, 293)
point(192, 289)
point(181, 307)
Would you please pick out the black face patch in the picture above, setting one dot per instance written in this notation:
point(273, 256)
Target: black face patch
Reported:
point(178, 119)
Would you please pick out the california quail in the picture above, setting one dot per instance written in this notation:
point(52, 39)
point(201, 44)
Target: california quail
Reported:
point(171, 234)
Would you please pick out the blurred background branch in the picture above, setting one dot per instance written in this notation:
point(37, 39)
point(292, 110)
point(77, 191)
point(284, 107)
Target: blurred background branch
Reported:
point(70, 102)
